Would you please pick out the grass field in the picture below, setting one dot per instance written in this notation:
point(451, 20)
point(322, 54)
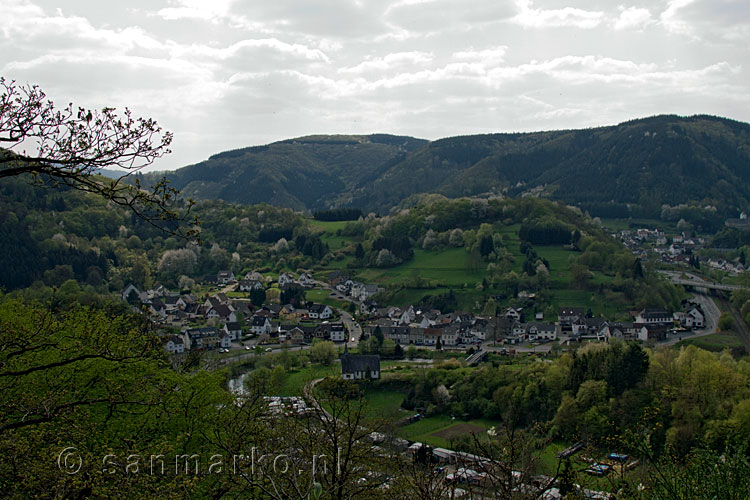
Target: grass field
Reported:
point(438, 272)
point(329, 236)
point(385, 404)
point(434, 430)
point(324, 297)
point(444, 267)
point(328, 226)
point(609, 306)
point(296, 379)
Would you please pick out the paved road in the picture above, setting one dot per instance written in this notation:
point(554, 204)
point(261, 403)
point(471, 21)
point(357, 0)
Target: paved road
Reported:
point(354, 328)
point(711, 312)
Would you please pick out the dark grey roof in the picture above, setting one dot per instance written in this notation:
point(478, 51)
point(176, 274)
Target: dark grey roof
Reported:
point(222, 310)
point(545, 327)
point(201, 332)
point(655, 313)
point(259, 320)
point(570, 311)
point(352, 363)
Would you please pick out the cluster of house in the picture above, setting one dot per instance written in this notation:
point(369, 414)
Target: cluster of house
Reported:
point(675, 249)
point(222, 318)
point(733, 268)
point(430, 328)
point(268, 325)
point(256, 281)
point(345, 285)
point(180, 308)
point(410, 326)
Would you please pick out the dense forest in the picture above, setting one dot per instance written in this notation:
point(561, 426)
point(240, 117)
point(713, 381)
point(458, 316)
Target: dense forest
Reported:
point(631, 169)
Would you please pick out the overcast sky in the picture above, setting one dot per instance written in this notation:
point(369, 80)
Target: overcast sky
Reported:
point(223, 74)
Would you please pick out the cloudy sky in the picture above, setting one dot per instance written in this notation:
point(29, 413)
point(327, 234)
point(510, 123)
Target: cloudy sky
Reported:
point(223, 74)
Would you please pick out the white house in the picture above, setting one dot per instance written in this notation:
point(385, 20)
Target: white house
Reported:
point(175, 345)
point(541, 331)
point(366, 292)
point(285, 279)
point(225, 340)
point(356, 367)
point(655, 317)
point(518, 329)
point(224, 277)
point(260, 324)
point(250, 285)
point(319, 311)
point(407, 316)
point(449, 337)
point(337, 332)
point(514, 314)
point(234, 330)
point(694, 318)
point(305, 279)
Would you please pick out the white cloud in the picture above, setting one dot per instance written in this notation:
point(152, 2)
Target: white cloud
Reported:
point(433, 17)
point(531, 17)
point(389, 62)
point(237, 73)
point(713, 21)
point(633, 18)
point(246, 48)
point(486, 57)
point(196, 9)
point(670, 18)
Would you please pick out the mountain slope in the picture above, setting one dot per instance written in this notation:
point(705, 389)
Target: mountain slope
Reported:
point(628, 169)
point(649, 162)
point(305, 173)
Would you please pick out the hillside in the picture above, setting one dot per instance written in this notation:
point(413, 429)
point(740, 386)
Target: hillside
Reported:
point(630, 169)
point(304, 173)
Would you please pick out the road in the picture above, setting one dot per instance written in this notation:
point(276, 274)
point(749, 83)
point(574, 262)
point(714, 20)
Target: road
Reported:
point(354, 328)
point(711, 313)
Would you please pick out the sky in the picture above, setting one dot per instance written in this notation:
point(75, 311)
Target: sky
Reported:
point(225, 74)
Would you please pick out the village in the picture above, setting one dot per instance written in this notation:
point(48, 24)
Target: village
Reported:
point(678, 249)
point(228, 320)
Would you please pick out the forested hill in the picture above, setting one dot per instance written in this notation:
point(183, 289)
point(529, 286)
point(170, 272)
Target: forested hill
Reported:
point(305, 173)
point(629, 169)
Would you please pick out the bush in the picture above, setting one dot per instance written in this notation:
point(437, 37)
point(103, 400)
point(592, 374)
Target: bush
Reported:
point(726, 322)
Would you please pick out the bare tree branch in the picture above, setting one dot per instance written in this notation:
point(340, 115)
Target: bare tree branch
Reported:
point(70, 146)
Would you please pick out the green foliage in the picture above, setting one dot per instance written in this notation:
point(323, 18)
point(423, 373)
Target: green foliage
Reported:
point(726, 322)
point(338, 214)
point(622, 366)
point(706, 475)
point(322, 352)
point(584, 167)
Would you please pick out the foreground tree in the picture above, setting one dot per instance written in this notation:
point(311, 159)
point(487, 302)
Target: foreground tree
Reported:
point(70, 146)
